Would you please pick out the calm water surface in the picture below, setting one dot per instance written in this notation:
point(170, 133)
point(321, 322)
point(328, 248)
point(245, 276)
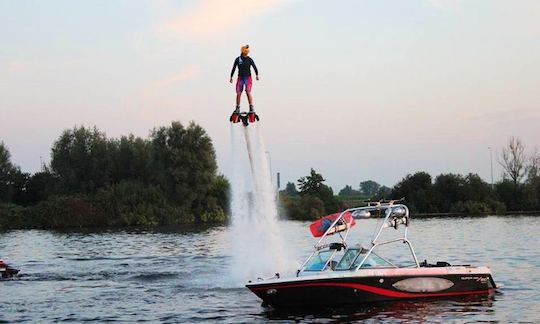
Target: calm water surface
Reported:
point(182, 276)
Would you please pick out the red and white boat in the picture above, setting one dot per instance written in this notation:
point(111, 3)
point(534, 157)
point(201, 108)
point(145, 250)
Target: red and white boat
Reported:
point(337, 273)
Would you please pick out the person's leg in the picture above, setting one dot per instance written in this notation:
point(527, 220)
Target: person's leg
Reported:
point(239, 88)
point(248, 92)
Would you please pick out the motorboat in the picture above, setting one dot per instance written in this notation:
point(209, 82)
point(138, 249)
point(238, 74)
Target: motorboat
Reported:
point(339, 273)
point(6, 270)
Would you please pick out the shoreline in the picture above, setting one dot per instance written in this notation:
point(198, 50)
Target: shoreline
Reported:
point(197, 227)
point(508, 213)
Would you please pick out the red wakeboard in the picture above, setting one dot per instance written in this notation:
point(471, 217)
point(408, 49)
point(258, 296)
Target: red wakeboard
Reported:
point(320, 227)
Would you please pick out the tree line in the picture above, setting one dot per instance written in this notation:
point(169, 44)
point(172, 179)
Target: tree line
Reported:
point(93, 181)
point(518, 190)
point(171, 178)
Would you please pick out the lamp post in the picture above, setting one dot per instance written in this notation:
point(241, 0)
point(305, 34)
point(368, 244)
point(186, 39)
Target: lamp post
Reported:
point(491, 163)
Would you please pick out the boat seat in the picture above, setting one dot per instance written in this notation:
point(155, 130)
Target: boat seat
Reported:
point(336, 246)
point(438, 264)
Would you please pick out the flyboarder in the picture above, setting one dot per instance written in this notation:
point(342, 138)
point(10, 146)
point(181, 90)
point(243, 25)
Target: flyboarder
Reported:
point(244, 81)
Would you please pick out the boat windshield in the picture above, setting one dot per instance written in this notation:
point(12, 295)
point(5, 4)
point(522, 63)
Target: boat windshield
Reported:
point(347, 259)
point(353, 257)
point(317, 262)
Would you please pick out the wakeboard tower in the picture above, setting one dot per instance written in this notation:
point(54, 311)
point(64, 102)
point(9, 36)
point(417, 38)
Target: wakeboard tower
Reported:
point(245, 117)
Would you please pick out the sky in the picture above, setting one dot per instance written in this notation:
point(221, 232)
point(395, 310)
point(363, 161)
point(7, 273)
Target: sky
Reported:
point(356, 90)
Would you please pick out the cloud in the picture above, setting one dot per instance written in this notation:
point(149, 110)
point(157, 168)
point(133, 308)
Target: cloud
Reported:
point(158, 87)
point(164, 94)
point(189, 72)
point(446, 5)
point(17, 66)
point(212, 17)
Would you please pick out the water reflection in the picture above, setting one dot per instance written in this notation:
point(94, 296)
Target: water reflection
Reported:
point(410, 311)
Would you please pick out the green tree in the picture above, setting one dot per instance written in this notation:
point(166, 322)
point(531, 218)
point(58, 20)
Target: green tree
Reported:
point(448, 189)
point(11, 178)
point(290, 189)
point(348, 191)
point(470, 207)
point(313, 185)
point(383, 193)
point(132, 159)
point(533, 169)
point(184, 164)
point(511, 194)
point(532, 193)
point(82, 160)
point(305, 207)
point(65, 212)
point(418, 192)
point(369, 188)
point(132, 203)
point(477, 189)
point(40, 186)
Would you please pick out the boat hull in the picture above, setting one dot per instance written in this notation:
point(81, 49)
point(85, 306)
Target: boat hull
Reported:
point(367, 289)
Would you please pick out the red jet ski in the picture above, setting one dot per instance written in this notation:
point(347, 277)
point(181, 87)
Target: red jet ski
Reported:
point(6, 270)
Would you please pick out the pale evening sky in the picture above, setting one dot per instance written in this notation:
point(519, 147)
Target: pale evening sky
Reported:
point(356, 89)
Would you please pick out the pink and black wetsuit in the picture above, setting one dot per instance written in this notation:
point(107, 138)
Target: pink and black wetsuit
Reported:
point(244, 81)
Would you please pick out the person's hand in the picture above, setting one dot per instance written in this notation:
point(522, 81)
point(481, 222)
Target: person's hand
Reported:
point(230, 80)
point(257, 78)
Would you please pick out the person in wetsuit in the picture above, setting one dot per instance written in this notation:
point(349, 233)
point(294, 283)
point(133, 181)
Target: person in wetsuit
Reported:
point(244, 81)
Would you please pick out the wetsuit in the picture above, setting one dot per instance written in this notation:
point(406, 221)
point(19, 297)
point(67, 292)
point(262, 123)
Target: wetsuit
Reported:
point(244, 64)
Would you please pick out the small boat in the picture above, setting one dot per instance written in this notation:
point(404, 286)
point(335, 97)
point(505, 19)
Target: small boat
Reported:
point(6, 270)
point(339, 273)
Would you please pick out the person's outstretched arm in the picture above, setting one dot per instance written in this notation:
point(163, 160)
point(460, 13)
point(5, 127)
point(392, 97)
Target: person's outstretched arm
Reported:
point(233, 68)
point(255, 68)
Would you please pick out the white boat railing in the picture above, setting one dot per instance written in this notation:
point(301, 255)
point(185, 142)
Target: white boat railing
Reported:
point(396, 214)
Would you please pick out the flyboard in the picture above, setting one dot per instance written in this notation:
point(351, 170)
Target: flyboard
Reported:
point(245, 117)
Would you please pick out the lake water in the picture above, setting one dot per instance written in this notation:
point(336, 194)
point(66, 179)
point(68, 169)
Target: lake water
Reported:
point(183, 276)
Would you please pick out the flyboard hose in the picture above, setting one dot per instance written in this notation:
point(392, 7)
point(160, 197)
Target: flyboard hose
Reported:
point(249, 149)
